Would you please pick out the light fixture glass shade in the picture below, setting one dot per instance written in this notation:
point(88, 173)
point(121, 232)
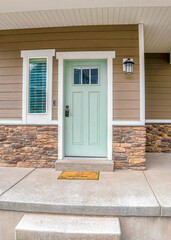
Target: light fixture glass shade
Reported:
point(128, 66)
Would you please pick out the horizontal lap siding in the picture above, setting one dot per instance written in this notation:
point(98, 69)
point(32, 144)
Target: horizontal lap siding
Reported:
point(120, 38)
point(126, 89)
point(10, 85)
point(158, 86)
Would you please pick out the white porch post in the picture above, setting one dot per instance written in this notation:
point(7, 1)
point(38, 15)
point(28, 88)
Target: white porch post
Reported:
point(142, 73)
point(110, 107)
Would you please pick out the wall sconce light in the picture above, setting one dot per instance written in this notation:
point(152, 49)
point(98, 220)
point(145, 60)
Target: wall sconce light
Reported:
point(128, 65)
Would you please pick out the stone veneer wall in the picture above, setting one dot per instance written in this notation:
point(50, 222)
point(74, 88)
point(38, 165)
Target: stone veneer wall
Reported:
point(158, 138)
point(36, 146)
point(28, 146)
point(129, 147)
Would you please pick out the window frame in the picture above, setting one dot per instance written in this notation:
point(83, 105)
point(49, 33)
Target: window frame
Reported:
point(86, 67)
point(37, 118)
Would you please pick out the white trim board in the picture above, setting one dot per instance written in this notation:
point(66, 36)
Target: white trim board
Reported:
point(86, 55)
point(61, 56)
point(164, 121)
point(114, 123)
point(38, 53)
point(24, 6)
point(10, 122)
point(20, 122)
point(127, 123)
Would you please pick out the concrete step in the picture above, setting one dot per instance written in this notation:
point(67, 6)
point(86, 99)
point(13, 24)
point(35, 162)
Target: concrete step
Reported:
point(67, 227)
point(84, 165)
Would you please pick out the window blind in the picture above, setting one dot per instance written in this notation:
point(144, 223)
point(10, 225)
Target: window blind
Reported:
point(37, 85)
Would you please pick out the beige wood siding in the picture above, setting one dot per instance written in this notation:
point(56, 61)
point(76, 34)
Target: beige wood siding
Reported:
point(158, 86)
point(121, 38)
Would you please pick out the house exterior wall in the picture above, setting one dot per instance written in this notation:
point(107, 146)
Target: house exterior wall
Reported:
point(123, 39)
point(37, 146)
point(158, 86)
point(158, 102)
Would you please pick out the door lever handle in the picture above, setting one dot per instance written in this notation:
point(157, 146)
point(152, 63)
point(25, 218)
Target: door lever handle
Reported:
point(66, 111)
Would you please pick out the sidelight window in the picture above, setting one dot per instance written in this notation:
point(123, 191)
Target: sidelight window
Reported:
point(37, 86)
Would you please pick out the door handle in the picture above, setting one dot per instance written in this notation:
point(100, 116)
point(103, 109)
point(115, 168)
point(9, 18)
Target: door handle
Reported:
point(66, 111)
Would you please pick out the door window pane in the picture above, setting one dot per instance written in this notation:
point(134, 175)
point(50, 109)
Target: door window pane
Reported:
point(94, 75)
point(85, 74)
point(37, 85)
point(77, 75)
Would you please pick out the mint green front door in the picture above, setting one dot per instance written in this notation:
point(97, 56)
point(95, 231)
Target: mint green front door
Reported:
point(85, 108)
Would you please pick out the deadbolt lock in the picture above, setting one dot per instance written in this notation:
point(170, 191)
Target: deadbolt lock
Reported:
point(66, 111)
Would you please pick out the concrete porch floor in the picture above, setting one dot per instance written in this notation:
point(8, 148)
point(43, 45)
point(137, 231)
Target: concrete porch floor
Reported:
point(119, 193)
point(141, 201)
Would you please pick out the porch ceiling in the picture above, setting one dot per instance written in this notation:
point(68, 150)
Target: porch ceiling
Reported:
point(156, 18)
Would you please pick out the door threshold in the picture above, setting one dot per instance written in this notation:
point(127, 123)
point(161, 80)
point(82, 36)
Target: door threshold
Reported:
point(82, 164)
point(86, 158)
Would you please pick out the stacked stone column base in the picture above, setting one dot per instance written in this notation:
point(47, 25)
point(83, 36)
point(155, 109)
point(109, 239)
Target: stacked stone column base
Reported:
point(129, 148)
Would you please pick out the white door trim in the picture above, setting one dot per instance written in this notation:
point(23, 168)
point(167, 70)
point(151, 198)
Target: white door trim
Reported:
point(61, 56)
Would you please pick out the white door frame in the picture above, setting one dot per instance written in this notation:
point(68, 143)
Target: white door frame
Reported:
point(61, 56)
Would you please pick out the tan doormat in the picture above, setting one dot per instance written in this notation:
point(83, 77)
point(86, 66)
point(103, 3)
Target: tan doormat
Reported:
point(79, 175)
